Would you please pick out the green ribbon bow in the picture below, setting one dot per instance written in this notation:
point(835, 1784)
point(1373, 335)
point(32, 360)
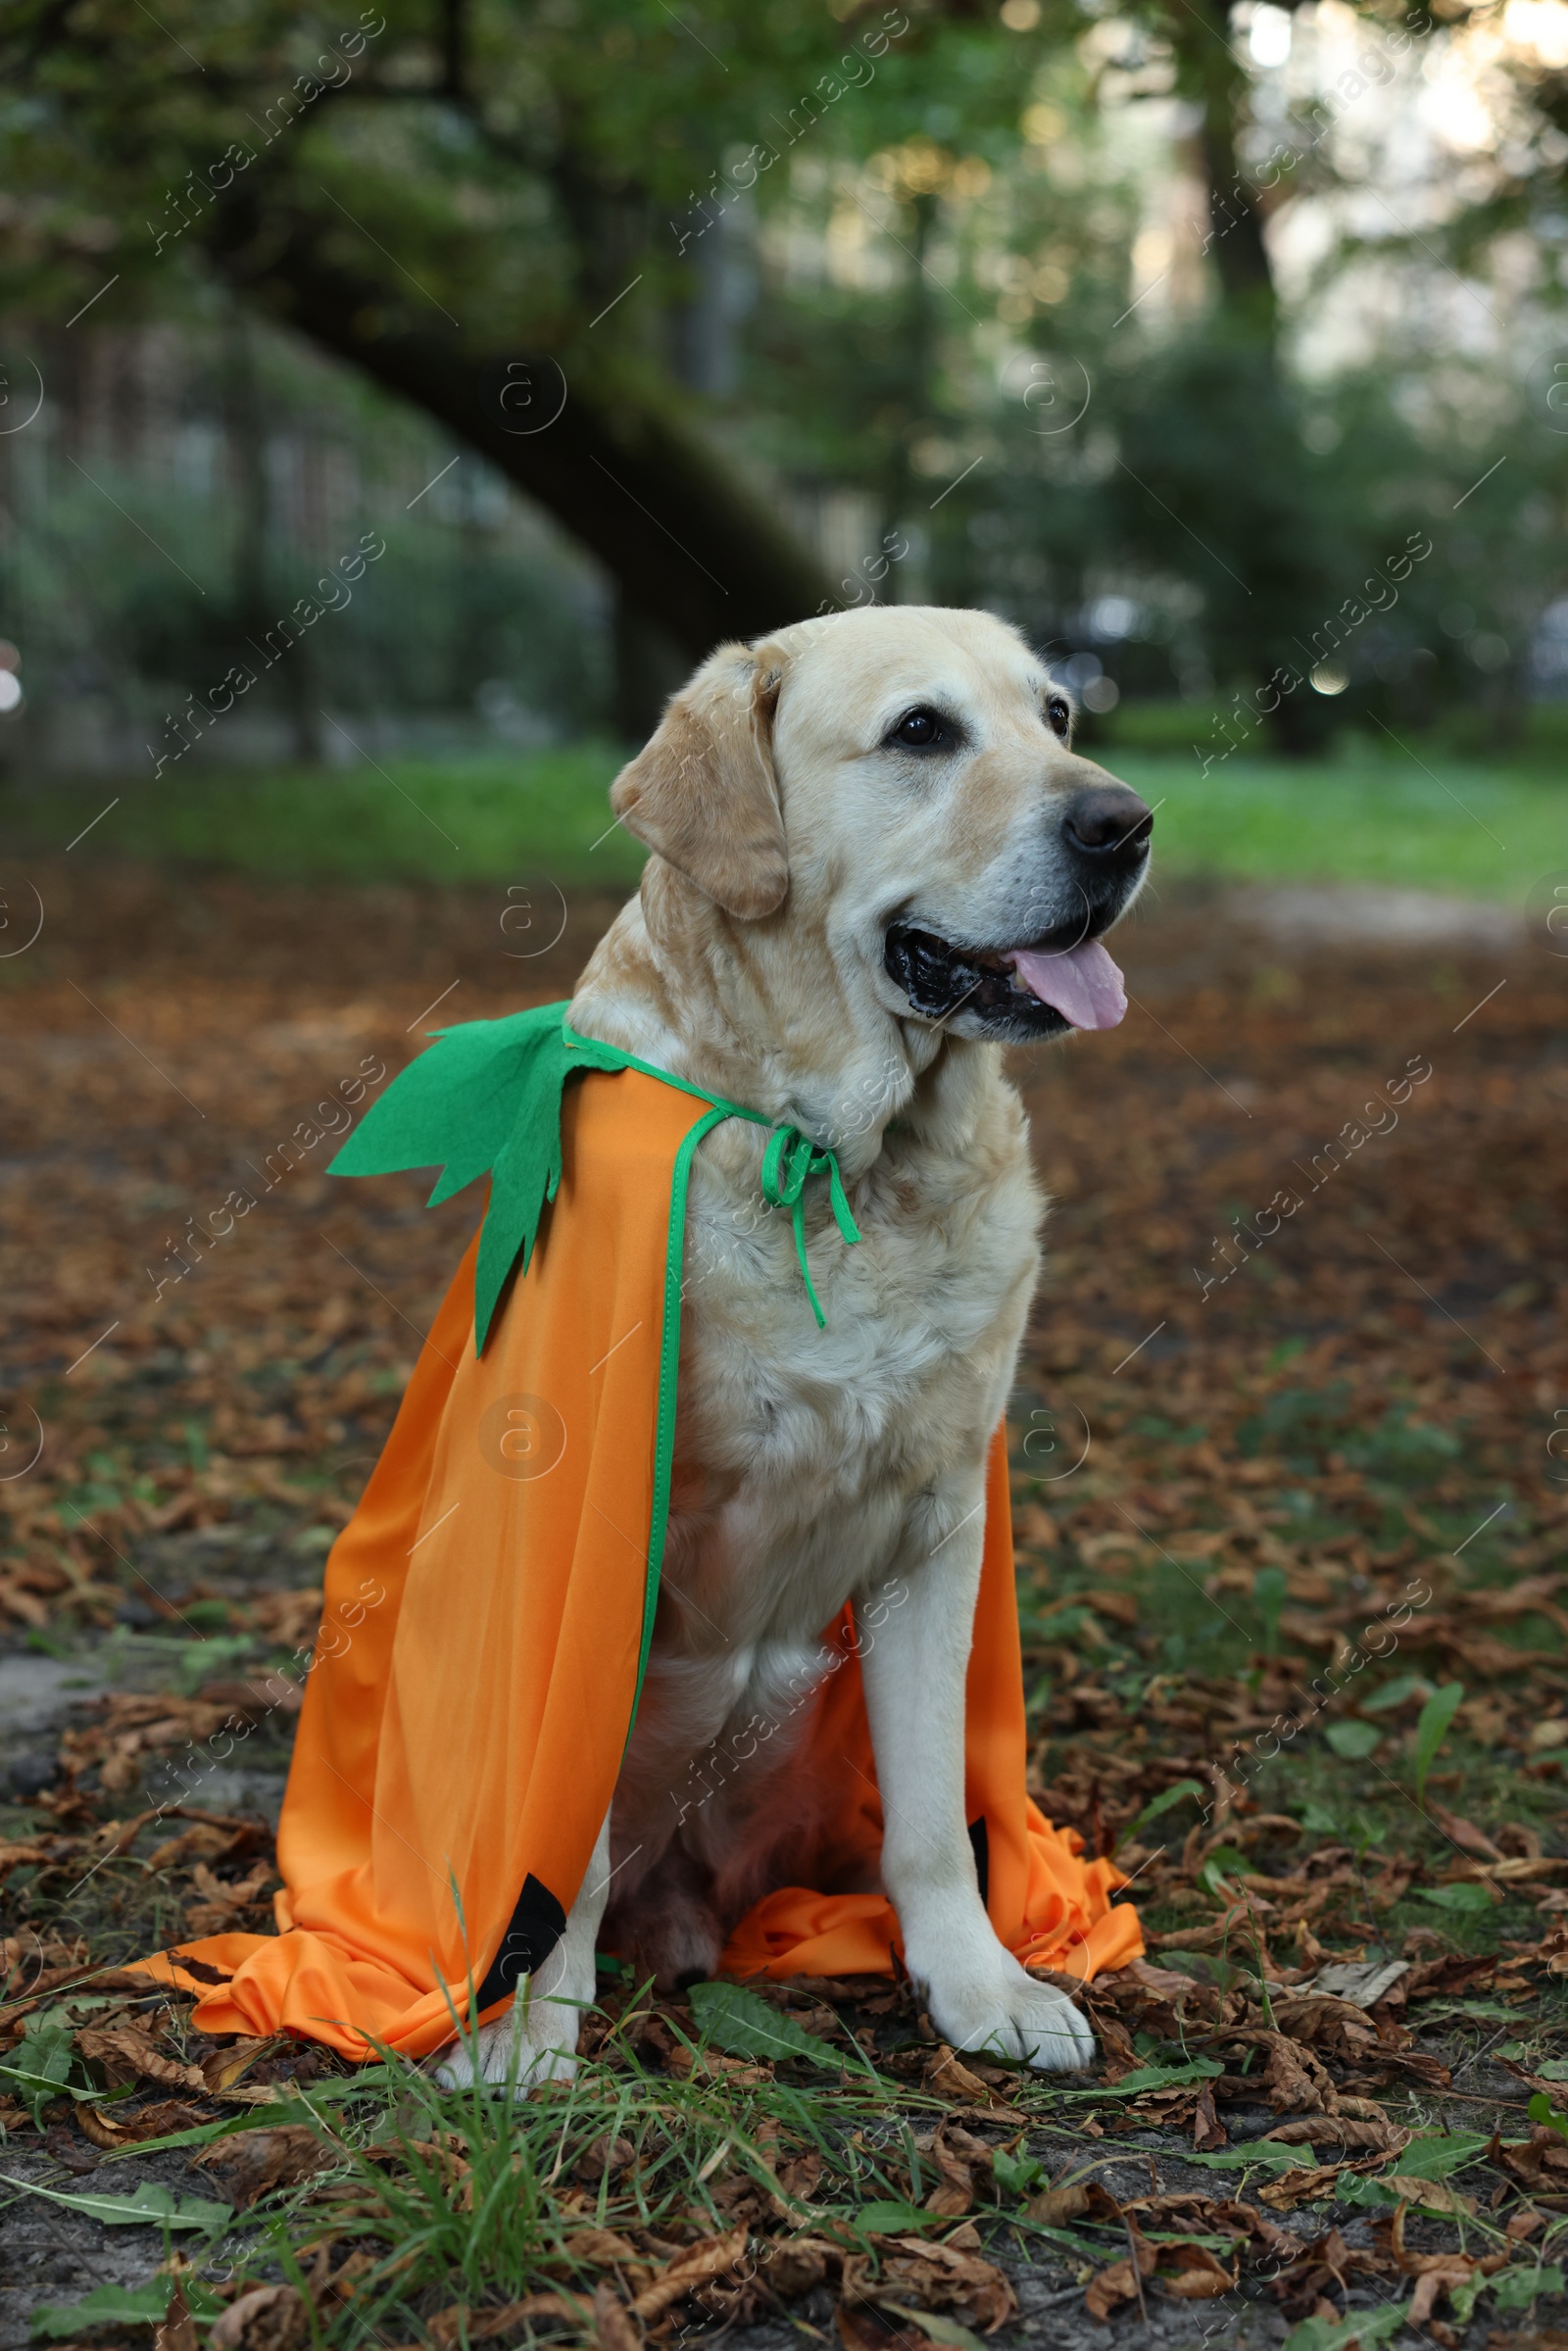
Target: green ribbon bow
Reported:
point(789, 1159)
point(486, 1101)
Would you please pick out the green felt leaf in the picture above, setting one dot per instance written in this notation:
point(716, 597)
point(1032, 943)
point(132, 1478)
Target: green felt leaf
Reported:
point(485, 1099)
point(742, 2023)
point(148, 2206)
point(1352, 1739)
point(452, 1107)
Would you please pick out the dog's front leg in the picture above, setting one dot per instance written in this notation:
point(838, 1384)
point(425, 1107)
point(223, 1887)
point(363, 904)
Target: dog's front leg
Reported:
point(913, 1666)
point(536, 2040)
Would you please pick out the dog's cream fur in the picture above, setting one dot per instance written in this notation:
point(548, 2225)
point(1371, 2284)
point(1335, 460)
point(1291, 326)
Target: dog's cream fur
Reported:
point(814, 1466)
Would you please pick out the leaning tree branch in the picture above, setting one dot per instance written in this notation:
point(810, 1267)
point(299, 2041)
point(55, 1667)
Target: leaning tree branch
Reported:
point(690, 546)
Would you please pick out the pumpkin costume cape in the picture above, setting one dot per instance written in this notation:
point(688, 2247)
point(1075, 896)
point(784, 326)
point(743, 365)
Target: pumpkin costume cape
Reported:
point(490, 1605)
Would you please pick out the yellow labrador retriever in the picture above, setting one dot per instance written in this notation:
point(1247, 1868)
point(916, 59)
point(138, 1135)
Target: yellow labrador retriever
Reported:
point(875, 862)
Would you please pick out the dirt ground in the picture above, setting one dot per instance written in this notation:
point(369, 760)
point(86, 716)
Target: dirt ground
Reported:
point(1247, 1434)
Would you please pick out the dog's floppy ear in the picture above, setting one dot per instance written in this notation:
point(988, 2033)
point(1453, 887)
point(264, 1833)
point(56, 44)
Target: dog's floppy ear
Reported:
point(703, 792)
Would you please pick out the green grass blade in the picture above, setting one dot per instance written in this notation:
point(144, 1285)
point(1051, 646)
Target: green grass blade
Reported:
point(1431, 1729)
point(1269, 1589)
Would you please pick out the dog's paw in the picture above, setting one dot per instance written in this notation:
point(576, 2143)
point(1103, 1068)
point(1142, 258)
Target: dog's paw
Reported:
point(1017, 2018)
point(534, 2043)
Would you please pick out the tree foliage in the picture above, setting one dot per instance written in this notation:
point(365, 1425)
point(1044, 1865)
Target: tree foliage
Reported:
point(528, 218)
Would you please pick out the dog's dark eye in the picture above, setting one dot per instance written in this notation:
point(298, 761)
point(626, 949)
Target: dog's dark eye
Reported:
point(1059, 717)
point(919, 730)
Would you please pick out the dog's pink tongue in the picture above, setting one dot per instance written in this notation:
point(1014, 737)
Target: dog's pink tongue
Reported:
point(1083, 985)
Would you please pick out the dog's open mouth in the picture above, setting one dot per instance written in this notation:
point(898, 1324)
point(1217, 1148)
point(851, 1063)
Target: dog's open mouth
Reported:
point(1037, 991)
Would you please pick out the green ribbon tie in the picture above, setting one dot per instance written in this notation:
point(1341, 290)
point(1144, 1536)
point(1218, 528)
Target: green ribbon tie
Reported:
point(790, 1158)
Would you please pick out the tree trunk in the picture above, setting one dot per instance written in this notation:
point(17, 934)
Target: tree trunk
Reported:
point(1209, 70)
point(252, 582)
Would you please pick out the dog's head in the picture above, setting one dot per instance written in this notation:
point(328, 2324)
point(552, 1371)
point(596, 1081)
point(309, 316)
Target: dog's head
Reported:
point(901, 782)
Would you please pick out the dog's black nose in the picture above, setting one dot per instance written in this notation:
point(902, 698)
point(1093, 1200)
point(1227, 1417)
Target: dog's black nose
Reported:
point(1108, 821)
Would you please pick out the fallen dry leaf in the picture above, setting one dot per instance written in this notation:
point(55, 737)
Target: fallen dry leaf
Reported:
point(1436, 2195)
point(176, 2330)
point(604, 2157)
point(1294, 2079)
point(1301, 2187)
point(1121, 2281)
point(1055, 2207)
point(600, 2246)
point(254, 2162)
point(799, 2177)
point(1341, 2131)
point(1326, 2264)
point(1193, 2274)
point(225, 1905)
point(708, 2065)
point(458, 2322)
point(112, 2128)
point(127, 2055)
point(961, 2160)
point(1208, 2132)
point(933, 2275)
point(861, 2330)
point(223, 2067)
point(270, 2318)
point(711, 2258)
point(615, 2329)
point(792, 2268)
point(948, 2076)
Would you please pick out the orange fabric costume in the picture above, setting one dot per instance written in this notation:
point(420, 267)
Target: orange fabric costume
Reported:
point(489, 1606)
